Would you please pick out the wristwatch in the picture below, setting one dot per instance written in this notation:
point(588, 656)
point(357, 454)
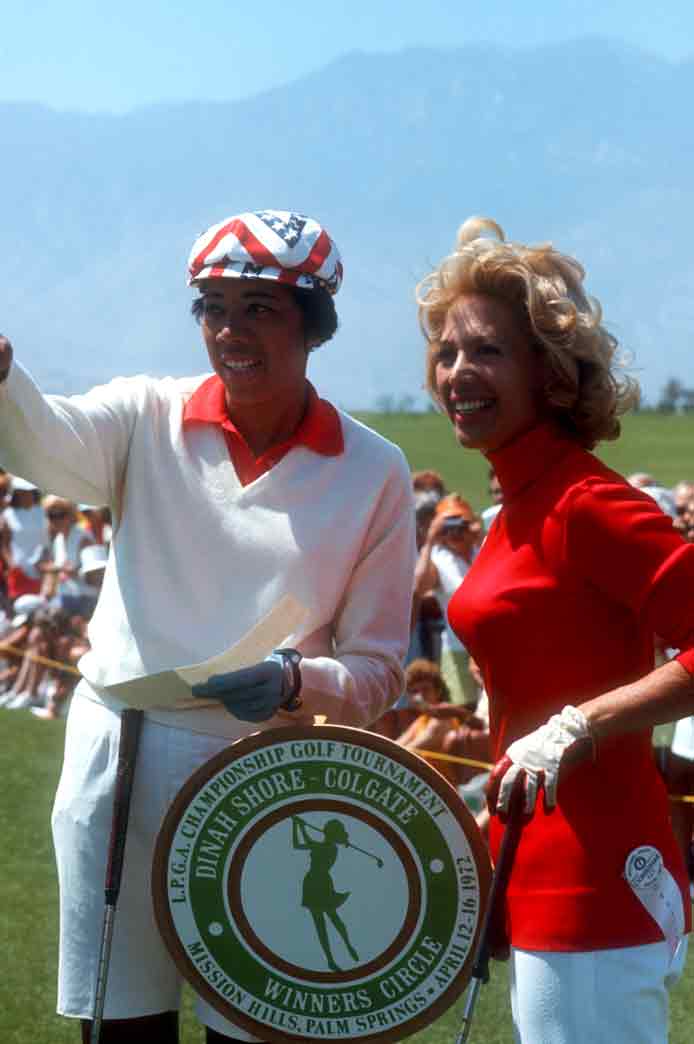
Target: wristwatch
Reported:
point(291, 658)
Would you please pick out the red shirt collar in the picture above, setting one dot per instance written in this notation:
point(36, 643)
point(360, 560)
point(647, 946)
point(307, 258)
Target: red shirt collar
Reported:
point(319, 430)
point(522, 461)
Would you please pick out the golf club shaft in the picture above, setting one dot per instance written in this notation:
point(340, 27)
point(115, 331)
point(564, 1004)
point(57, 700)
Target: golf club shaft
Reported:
point(470, 1001)
point(102, 971)
point(364, 852)
point(131, 723)
point(349, 844)
point(497, 893)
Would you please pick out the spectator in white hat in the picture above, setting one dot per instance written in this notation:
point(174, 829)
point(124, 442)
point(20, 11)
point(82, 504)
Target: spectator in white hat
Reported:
point(23, 536)
point(227, 491)
point(24, 606)
point(93, 559)
point(13, 639)
point(14, 634)
point(97, 522)
point(22, 692)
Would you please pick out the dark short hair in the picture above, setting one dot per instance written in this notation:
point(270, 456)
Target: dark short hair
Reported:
point(35, 493)
point(422, 670)
point(317, 308)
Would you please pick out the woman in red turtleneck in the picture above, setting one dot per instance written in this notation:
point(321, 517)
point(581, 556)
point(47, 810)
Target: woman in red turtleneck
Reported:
point(578, 573)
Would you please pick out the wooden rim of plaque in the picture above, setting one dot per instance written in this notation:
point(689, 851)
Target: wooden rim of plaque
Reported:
point(249, 745)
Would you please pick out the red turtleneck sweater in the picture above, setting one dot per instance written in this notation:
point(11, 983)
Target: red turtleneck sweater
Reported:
point(579, 571)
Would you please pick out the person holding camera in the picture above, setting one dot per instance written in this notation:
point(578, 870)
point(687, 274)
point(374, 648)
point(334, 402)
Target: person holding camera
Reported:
point(444, 559)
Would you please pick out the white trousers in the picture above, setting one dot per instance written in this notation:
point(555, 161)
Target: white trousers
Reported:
point(142, 979)
point(615, 996)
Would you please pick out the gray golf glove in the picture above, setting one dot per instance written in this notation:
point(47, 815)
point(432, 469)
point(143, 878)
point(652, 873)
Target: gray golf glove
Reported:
point(256, 693)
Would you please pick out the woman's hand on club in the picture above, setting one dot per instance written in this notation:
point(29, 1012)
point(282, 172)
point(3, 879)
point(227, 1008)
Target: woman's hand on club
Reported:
point(537, 759)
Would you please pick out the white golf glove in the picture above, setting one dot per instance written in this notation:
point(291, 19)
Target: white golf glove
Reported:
point(538, 757)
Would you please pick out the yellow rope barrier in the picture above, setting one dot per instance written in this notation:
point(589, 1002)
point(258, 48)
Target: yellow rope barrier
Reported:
point(35, 658)
point(433, 754)
point(684, 799)
point(454, 758)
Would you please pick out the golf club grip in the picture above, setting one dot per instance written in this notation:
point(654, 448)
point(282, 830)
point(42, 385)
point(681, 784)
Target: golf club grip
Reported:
point(131, 723)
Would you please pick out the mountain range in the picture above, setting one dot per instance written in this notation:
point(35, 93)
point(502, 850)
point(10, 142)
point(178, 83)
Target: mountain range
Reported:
point(588, 144)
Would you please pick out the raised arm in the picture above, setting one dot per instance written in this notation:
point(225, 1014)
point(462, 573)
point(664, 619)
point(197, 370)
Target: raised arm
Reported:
point(75, 445)
point(426, 574)
point(300, 838)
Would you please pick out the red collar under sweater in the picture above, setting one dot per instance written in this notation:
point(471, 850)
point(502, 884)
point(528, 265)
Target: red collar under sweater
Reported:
point(319, 429)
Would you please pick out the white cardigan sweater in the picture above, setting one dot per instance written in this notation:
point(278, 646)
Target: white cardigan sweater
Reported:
point(197, 559)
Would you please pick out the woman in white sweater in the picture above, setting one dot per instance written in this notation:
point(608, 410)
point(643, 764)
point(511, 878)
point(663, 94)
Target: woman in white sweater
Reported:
point(229, 493)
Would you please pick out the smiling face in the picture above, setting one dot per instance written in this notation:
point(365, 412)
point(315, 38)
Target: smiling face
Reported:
point(254, 334)
point(487, 373)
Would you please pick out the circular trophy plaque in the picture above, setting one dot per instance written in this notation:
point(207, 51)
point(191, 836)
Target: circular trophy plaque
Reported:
point(321, 884)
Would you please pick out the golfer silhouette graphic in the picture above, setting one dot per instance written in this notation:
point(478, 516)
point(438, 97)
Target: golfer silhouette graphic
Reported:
point(318, 893)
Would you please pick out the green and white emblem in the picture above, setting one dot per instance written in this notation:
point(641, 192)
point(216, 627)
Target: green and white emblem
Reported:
point(321, 884)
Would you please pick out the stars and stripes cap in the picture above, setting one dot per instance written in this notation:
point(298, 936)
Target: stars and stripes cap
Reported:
point(267, 244)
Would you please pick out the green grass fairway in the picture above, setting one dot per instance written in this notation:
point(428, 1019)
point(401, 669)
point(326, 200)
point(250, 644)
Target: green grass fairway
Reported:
point(661, 445)
point(30, 758)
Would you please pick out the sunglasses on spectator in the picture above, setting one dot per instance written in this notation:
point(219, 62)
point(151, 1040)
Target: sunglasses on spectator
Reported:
point(56, 515)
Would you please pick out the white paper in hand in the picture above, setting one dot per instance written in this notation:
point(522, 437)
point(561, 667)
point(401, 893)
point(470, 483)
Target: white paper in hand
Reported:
point(170, 690)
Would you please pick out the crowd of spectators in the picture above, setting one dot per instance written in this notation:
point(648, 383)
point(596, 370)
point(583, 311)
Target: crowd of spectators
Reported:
point(52, 559)
point(53, 555)
point(443, 712)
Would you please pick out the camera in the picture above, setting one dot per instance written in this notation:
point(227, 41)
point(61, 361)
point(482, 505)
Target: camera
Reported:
point(455, 525)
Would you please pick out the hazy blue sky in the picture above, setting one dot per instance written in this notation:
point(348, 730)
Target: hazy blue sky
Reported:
point(78, 54)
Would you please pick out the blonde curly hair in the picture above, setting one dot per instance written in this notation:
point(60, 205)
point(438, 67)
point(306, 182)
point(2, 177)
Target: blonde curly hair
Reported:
point(582, 386)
